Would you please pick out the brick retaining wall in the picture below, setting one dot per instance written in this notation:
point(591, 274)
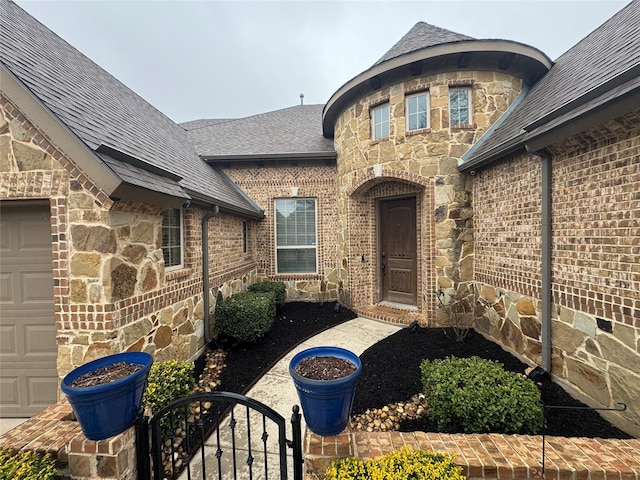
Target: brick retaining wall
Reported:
point(489, 456)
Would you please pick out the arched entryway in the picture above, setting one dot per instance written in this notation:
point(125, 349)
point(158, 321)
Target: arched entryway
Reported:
point(390, 234)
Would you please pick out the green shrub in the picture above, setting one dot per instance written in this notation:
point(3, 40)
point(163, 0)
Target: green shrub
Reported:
point(246, 317)
point(26, 466)
point(401, 464)
point(168, 381)
point(277, 288)
point(474, 395)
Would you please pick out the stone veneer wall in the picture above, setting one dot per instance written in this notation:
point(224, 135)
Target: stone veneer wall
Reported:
point(265, 184)
point(423, 163)
point(595, 261)
point(111, 291)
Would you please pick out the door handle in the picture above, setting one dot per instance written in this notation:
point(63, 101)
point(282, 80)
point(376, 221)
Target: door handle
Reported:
point(383, 269)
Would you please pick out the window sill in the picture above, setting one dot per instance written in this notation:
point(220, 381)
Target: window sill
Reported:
point(296, 276)
point(464, 127)
point(377, 141)
point(419, 131)
point(177, 274)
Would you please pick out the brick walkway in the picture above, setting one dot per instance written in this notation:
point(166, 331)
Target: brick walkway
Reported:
point(491, 456)
point(50, 431)
point(54, 431)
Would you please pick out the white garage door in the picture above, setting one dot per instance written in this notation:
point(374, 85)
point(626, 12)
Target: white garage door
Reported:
point(28, 376)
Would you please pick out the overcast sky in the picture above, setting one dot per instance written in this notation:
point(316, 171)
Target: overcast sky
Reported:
point(223, 59)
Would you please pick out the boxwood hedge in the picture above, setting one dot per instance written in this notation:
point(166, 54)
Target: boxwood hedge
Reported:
point(474, 395)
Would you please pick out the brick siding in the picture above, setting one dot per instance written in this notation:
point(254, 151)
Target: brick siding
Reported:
point(595, 261)
point(269, 182)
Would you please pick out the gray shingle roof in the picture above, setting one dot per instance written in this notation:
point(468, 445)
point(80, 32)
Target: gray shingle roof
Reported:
point(422, 35)
point(600, 67)
point(293, 131)
point(100, 110)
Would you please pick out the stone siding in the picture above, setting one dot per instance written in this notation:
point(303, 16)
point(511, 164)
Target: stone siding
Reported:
point(266, 183)
point(595, 261)
point(112, 292)
point(421, 163)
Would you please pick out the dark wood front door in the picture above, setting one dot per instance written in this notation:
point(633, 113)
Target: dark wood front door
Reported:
point(397, 253)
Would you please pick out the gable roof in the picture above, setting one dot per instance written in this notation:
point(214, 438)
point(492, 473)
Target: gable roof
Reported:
point(132, 140)
point(421, 35)
point(294, 132)
point(601, 73)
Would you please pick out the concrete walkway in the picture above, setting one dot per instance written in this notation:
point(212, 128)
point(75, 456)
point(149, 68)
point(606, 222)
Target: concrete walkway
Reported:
point(276, 389)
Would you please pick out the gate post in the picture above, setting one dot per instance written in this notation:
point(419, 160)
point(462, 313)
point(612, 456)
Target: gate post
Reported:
point(142, 446)
point(297, 443)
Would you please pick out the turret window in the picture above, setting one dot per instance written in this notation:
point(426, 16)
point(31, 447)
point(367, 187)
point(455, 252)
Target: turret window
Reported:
point(418, 111)
point(380, 121)
point(460, 107)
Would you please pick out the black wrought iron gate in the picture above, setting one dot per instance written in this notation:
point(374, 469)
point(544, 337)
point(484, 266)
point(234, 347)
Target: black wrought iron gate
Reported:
point(218, 435)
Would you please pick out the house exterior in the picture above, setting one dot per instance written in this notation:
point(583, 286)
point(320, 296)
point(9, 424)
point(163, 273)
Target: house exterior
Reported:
point(457, 180)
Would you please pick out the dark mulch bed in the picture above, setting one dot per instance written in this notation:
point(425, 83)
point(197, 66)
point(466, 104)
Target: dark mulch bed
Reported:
point(390, 368)
point(294, 323)
point(391, 373)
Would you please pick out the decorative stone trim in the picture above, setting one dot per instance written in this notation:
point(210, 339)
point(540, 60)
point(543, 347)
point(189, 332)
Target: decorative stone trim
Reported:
point(378, 102)
point(461, 82)
point(415, 90)
point(385, 177)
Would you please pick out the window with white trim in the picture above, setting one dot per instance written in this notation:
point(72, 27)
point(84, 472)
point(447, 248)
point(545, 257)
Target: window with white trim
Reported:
point(296, 244)
point(380, 121)
point(417, 111)
point(172, 238)
point(460, 107)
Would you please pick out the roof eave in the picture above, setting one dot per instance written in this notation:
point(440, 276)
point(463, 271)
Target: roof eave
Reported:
point(548, 135)
point(216, 159)
point(570, 124)
point(135, 193)
point(209, 203)
point(510, 57)
point(626, 76)
point(478, 162)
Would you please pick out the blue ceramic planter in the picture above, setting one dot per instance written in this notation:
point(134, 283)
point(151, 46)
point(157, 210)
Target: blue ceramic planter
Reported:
point(326, 404)
point(109, 409)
